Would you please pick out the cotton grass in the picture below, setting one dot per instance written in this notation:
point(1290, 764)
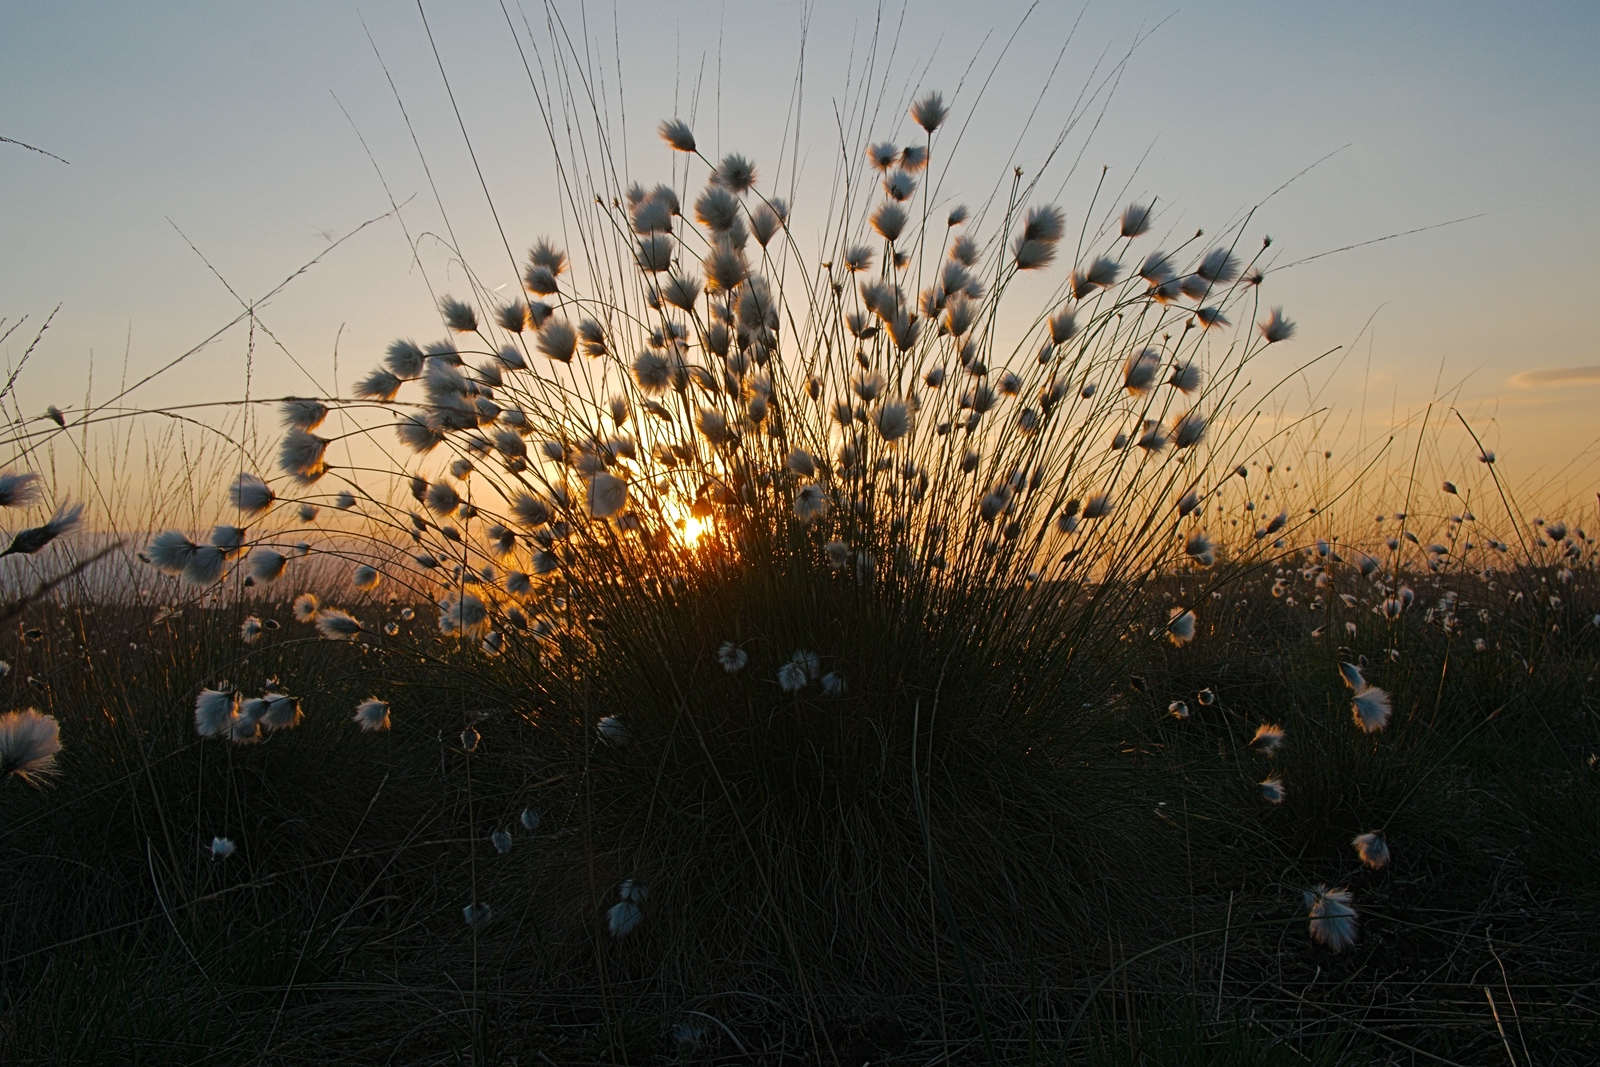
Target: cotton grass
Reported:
point(29, 744)
point(1332, 918)
point(771, 542)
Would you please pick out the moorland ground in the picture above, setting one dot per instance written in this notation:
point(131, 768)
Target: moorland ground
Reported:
point(335, 932)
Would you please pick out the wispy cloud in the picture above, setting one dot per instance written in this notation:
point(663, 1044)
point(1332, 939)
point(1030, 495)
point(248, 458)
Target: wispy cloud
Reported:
point(1534, 379)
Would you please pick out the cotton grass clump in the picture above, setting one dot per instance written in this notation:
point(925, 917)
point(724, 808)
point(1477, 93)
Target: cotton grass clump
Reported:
point(821, 547)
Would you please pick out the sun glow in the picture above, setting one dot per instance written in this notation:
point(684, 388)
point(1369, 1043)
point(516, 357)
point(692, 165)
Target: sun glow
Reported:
point(686, 526)
point(690, 528)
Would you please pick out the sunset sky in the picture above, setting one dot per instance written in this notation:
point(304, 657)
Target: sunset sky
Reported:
point(224, 121)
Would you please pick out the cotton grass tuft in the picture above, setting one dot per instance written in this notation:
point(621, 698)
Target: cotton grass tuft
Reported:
point(372, 715)
point(731, 657)
point(1372, 848)
point(638, 478)
point(1371, 707)
point(334, 624)
point(1332, 918)
point(29, 744)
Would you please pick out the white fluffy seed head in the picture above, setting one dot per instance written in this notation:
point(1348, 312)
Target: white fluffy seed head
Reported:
point(676, 133)
point(930, 111)
point(170, 551)
point(894, 420)
point(372, 715)
point(810, 503)
point(336, 625)
point(212, 710)
point(301, 454)
point(1218, 266)
point(1372, 848)
point(266, 564)
point(767, 219)
point(464, 615)
point(1186, 377)
point(282, 712)
point(882, 155)
point(735, 173)
point(1275, 327)
point(305, 607)
point(1136, 219)
point(624, 918)
point(1352, 676)
point(607, 495)
point(250, 494)
point(1189, 429)
point(1268, 739)
point(732, 658)
point(1272, 790)
point(654, 254)
point(18, 490)
point(29, 743)
point(301, 414)
point(1370, 708)
point(557, 340)
point(1332, 918)
point(1140, 369)
point(205, 566)
point(889, 220)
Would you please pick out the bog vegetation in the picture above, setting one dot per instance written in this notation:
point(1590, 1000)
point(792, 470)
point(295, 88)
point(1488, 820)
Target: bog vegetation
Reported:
point(748, 647)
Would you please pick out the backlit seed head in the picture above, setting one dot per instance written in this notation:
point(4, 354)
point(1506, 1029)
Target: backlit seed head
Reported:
point(1136, 219)
point(1267, 740)
point(1370, 708)
point(372, 715)
point(1181, 629)
point(930, 111)
point(1372, 848)
point(1332, 919)
point(29, 743)
point(612, 729)
point(676, 133)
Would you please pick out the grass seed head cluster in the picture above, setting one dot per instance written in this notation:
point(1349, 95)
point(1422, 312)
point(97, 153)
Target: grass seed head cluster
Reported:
point(784, 544)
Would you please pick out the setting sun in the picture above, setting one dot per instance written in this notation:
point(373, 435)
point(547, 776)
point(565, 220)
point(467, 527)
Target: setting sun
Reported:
point(690, 529)
point(686, 526)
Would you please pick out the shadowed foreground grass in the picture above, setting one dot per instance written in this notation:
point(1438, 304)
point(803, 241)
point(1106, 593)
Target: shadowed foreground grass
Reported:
point(1149, 914)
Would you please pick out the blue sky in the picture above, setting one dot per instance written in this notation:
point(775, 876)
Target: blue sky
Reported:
point(224, 121)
